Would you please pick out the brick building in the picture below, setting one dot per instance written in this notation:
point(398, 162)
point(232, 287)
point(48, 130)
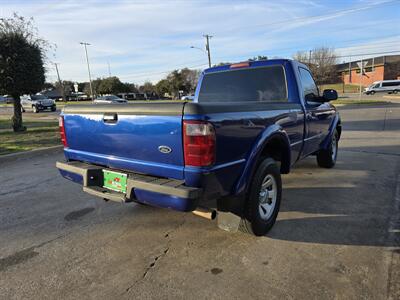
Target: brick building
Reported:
point(376, 68)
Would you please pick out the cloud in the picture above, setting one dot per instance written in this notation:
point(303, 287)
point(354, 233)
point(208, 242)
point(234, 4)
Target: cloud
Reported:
point(143, 40)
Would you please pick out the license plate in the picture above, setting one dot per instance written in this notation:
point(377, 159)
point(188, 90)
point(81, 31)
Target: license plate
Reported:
point(115, 181)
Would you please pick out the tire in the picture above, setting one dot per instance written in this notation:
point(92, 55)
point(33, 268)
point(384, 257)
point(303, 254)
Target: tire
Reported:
point(35, 109)
point(372, 93)
point(262, 204)
point(326, 158)
point(395, 91)
point(53, 108)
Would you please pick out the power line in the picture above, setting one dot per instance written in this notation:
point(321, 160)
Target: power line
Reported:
point(365, 54)
point(309, 18)
point(183, 65)
point(159, 73)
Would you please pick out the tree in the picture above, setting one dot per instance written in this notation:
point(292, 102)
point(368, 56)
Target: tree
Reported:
point(95, 86)
point(131, 87)
point(147, 88)
point(190, 78)
point(321, 62)
point(81, 86)
point(67, 85)
point(22, 55)
point(259, 57)
point(48, 86)
point(176, 83)
point(162, 87)
point(111, 85)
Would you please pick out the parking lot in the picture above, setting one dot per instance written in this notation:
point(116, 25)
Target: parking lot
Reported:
point(337, 235)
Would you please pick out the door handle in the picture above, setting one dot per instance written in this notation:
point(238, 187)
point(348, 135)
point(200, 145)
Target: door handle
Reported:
point(110, 118)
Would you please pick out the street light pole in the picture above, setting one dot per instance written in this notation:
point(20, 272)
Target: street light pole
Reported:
point(87, 61)
point(208, 37)
point(60, 82)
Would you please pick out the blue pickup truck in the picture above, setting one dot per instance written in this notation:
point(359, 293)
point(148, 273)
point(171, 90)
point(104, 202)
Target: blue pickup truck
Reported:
point(249, 123)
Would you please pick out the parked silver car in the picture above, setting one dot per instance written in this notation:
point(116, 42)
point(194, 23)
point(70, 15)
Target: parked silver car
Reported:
point(109, 99)
point(387, 86)
point(37, 103)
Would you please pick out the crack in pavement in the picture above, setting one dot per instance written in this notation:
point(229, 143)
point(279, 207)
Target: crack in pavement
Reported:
point(153, 264)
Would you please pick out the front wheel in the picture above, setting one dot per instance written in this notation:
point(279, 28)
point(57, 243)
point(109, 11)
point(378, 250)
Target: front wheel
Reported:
point(326, 158)
point(264, 199)
point(35, 109)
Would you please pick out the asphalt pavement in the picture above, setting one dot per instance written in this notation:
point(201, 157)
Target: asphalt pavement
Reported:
point(337, 235)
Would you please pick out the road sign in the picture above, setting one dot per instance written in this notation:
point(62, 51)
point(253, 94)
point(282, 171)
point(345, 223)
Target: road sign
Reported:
point(361, 65)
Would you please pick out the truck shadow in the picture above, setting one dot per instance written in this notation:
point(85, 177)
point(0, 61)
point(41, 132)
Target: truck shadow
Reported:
point(352, 204)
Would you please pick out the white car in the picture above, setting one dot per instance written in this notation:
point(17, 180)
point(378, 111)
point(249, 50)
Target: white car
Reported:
point(387, 86)
point(109, 99)
point(37, 103)
point(188, 97)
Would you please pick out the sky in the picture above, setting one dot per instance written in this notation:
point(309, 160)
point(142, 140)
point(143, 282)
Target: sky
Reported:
point(145, 40)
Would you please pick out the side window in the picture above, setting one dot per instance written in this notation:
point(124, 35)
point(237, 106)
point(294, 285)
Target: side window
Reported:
point(309, 87)
point(390, 83)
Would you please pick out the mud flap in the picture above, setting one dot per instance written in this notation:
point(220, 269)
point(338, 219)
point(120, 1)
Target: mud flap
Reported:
point(228, 221)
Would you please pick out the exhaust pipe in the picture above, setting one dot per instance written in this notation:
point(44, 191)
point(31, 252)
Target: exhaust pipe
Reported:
point(207, 213)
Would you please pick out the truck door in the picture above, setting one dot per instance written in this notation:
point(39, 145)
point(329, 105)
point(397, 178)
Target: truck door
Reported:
point(318, 115)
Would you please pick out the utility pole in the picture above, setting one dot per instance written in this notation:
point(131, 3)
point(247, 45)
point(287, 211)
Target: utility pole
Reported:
point(60, 82)
point(350, 70)
point(309, 57)
point(361, 74)
point(361, 65)
point(208, 37)
point(109, 69)
point(90, 77)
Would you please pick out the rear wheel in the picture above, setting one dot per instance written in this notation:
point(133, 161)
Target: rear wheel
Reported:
point(264, 199)
point(395, 91)
point(326, 158)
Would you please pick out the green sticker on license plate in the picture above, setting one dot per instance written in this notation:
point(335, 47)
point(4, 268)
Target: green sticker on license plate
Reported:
point(115, 181)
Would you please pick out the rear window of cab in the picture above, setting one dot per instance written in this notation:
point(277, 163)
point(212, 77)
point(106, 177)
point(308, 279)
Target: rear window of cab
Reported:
point(260, 84)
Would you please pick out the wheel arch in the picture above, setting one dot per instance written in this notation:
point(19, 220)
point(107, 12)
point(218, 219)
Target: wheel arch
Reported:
point(272, 143)
point(335, 125)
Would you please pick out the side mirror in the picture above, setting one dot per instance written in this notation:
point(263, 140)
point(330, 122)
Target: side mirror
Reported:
point(329, 95)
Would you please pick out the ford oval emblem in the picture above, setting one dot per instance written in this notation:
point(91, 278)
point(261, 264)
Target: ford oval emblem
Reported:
point(164, 149)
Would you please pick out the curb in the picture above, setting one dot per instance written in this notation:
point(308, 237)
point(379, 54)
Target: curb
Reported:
point(29, 154)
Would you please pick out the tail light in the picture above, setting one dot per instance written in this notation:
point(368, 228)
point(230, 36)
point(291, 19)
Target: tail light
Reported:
point(240, 65)
point(198, 143)
point(62, 131)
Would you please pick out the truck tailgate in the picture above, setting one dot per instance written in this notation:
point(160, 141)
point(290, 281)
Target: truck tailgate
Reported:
point(142, 137)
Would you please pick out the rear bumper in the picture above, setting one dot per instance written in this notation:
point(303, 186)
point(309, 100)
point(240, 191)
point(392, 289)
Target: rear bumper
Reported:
point(162, 192)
